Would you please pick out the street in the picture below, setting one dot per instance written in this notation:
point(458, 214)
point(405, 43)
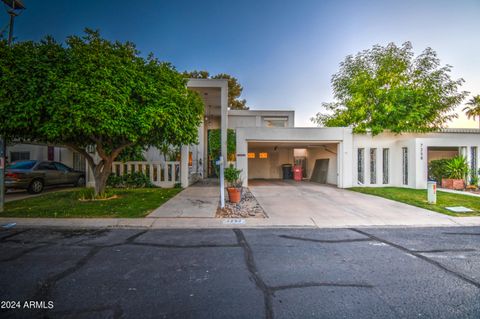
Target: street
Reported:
point(248, 273)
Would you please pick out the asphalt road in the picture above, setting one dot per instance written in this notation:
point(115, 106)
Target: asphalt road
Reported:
point(282, 273)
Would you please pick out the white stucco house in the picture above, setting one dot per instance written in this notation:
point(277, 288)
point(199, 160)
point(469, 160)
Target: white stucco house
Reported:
point(268, 139)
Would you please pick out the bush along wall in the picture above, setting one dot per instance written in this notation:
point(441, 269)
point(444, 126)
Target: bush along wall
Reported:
point(131, 180)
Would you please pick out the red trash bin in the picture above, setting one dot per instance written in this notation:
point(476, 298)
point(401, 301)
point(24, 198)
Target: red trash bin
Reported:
point(297, 173)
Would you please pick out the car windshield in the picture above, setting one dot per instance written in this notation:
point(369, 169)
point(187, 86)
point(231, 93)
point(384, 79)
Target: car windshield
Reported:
point(22, 165)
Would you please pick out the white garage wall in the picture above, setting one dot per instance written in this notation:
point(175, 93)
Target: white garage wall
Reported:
point(271, 167)
point(329, 152)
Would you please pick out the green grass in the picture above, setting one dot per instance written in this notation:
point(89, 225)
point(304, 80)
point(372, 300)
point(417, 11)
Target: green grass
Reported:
point(130, 203)
point(418, 197)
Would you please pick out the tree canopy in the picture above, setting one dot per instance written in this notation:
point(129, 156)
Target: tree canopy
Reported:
point(472, 109)
point(388, 88)
point(234, 88)
point(92, 91)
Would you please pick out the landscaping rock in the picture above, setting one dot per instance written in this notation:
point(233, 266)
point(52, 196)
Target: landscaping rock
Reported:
point(247, 208)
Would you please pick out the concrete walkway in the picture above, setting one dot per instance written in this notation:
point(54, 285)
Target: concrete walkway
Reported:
point(328, 206)
point(193, 202)
point(288, 205)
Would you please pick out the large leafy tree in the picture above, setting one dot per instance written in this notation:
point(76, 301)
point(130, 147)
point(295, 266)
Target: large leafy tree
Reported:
point(389, 88)
point(234, 88)
point(94, 92)
point(472, 110)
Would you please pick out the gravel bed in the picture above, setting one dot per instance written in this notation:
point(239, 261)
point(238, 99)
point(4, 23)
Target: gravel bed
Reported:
point(247, 208)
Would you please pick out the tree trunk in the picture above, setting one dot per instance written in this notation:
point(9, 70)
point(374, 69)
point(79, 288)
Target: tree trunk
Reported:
point(101, 173)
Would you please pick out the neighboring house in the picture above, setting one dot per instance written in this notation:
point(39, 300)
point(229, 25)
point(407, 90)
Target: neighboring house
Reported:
point(266, 139)
point(20, 151)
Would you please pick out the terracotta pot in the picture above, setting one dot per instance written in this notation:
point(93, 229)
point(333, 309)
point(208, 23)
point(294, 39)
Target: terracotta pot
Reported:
point(234, 194)
point(451, 183)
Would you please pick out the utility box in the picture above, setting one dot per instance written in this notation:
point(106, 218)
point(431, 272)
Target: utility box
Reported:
point(432, 192)
point(297, 173)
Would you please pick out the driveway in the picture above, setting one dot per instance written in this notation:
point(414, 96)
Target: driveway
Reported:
point(281, 273)
point(328, 206)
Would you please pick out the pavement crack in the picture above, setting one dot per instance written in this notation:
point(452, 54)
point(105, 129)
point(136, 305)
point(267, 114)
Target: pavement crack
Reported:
point(468, 234)
point(22, 253)
point(45, 289)
point(321, 284)
point(466, 250)
point(183, 246)
point(132, 238)
point(420, 256)
point(15, 234)
point(252, 268)
point(326, 241)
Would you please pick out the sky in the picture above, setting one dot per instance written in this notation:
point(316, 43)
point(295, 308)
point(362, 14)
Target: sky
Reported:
point(283, 52)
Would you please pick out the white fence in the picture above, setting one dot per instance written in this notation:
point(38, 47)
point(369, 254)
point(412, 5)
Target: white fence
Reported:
point(162, 174)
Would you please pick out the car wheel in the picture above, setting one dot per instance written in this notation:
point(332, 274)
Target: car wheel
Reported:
point(80, 182)
point(36, 186)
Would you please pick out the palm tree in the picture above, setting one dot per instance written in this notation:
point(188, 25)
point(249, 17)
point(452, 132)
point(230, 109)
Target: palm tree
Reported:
point(473, 108)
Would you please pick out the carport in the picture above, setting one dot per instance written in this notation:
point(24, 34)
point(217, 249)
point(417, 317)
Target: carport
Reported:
point(323, 153)
point(317, 159)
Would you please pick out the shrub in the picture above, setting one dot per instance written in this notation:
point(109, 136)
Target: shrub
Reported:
point(232, 176)
point(437, 170)
point(457, 167)
point(131, 180)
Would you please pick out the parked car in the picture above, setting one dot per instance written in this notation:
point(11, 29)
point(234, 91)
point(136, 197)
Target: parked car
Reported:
point(35, 175)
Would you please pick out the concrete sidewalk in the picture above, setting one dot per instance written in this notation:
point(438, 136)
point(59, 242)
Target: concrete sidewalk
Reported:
point(205, 223)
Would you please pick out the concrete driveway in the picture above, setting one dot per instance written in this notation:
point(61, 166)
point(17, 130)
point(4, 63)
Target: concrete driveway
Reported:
point(328, 206)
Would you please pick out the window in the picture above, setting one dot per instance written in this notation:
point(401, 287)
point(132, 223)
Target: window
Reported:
point(78, 162)
point(405, 165)
point(275, 122)
point(22, 165)
point(251, 155)
point(360, 165)
point(373, 166)
point(263, 155)
point(62, 167)
point(46, 166)
point(385, 166)
point(19, 156)
point(474, 156)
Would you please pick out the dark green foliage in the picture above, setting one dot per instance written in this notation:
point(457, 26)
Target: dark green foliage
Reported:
point(388, 88)
point(130, 180)
point(437, 170)
point(457, 168)
point(93, 91)
point(232, 176)
point(131, 153)
point(234, 88)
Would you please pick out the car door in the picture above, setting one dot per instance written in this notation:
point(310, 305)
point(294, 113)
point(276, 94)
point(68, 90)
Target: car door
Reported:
point(52, 175)
point(67, 177)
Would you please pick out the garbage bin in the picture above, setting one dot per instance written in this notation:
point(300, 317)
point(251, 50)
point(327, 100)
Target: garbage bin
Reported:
point(287, 171)
point(297, 173)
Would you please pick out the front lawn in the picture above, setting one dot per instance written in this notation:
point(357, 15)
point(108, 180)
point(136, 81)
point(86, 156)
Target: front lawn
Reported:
point(130, 203)
point(418, 197)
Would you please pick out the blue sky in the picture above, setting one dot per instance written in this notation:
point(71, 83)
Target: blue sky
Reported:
point(283, 52)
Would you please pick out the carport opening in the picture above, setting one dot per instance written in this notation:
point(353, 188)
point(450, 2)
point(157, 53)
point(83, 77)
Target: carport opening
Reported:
point(267, 162)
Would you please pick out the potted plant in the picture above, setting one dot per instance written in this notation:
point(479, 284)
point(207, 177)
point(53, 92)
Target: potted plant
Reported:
point(234, 184)
point(473, 185)
point(457, 170)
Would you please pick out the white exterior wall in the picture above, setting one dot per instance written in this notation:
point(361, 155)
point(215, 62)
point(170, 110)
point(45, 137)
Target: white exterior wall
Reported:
point(318, 153)
point(417, 145)
point(303, 136)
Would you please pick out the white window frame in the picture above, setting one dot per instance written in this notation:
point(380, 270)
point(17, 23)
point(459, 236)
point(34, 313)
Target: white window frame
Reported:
point(386, 166)
point(373, 165)
point(361, 166)
point(405, 165)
